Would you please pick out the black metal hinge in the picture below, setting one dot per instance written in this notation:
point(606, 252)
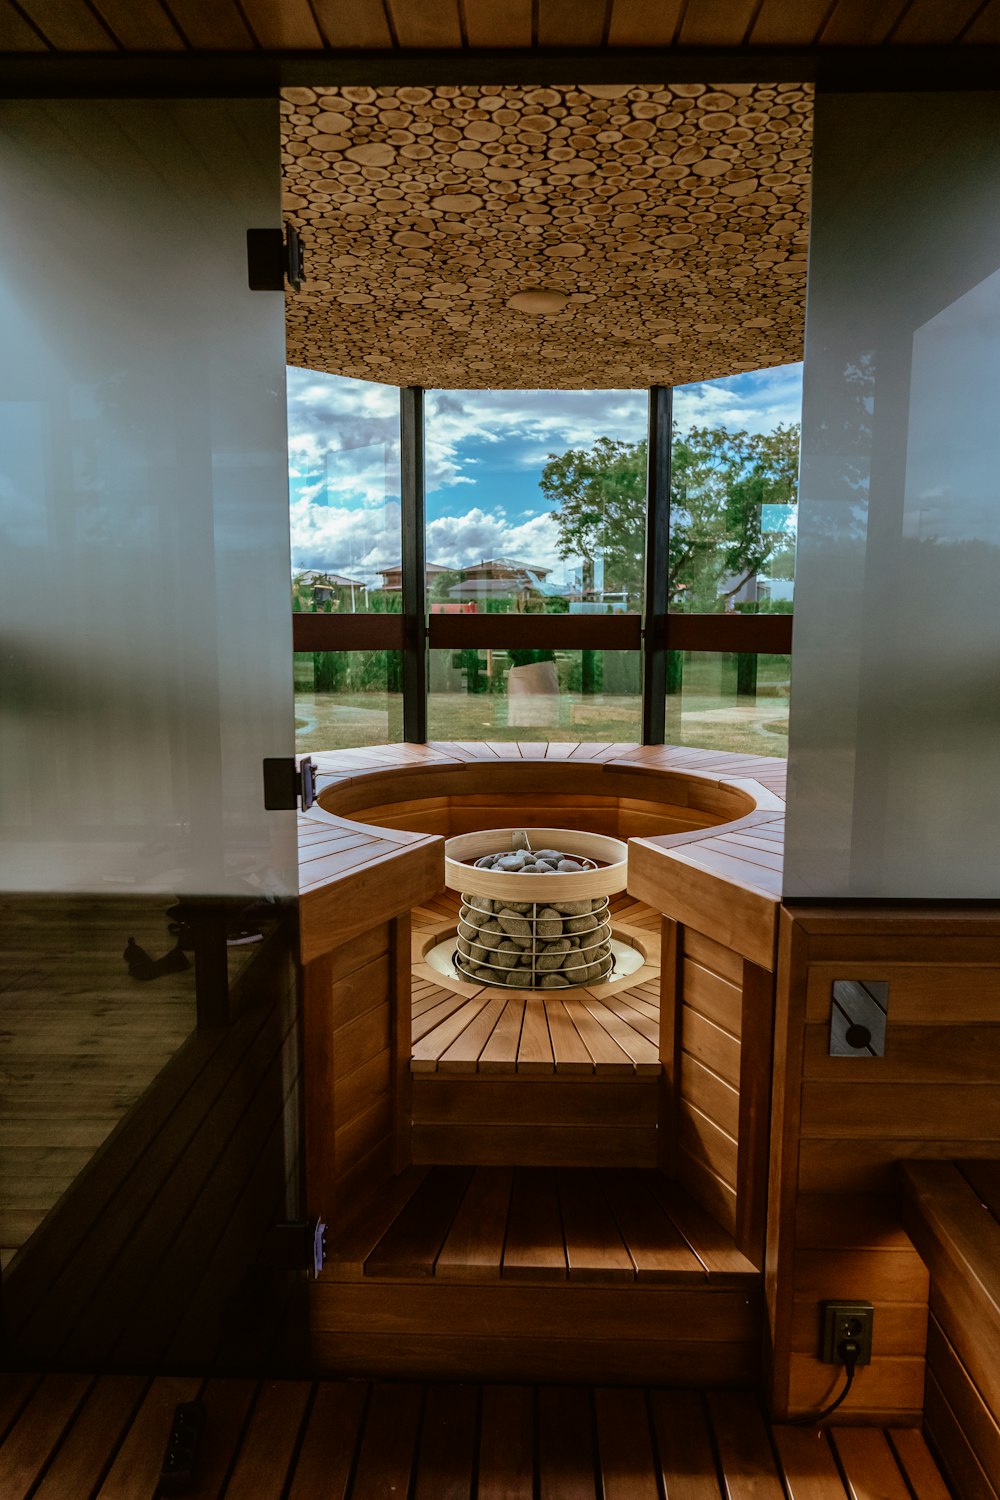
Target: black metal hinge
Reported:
point(297, 1246)
point(274, 257)
point(289, 784)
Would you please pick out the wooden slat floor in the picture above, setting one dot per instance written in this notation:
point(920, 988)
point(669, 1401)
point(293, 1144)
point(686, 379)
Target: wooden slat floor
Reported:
point(532, 1224)
point(610, 1029)
point(84, 1437)
point(80, 1041)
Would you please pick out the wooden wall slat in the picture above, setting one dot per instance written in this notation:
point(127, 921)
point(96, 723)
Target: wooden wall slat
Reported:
point(855, 23)
point(985, 29)
point(145, 28)
point(959, 1392)
point(958, 1458)
point(927, 22)
point(69, 25)
point(212, 28)
point(919, 994)
point(788, 23)
point(490, 25)
point(644, 23)
point(846, 1126)
point(708, 24)
point(361, 24)
point(433, 23)
point(15, 33)
point(290, 24)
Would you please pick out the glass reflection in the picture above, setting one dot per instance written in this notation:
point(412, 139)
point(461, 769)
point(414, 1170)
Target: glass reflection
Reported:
point(534, 695)
point(536, 501)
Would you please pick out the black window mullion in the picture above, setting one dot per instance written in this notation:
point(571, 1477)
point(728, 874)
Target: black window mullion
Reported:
point(414, 559)
point(657, 594)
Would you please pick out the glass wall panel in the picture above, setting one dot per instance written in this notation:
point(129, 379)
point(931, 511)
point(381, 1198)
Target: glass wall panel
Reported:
point(536, 501)
point(345, 698)
point(734, 484)
point(148, 1046)
point(343, 455)
point(726, 701)
point(535, 695)
point(895, 723)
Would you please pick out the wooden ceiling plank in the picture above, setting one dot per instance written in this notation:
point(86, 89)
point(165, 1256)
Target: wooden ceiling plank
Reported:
point(218, 27)
point(363, 23)
point(706, 23)
point(282, 25)
point(644, 23)
point(15, 33)
point(432, 23)
point(788, 23)
point(571, 23)
point(861, 23)
point(488, 24)
point(934, 22)
point(68, 25)
point(985, 29)
point(140, 28)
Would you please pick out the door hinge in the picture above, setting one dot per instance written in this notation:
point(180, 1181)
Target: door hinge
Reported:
point(297, 1246)
point(274, 257)
point(289, 784)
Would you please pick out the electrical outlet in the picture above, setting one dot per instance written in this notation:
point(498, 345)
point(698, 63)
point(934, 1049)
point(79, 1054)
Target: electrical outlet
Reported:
point(847, 1320)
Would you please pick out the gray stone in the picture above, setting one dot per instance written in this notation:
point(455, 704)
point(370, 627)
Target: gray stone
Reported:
point(513, 924)
point(586, 923)
point(569, 867)
point(554, 982)
point(553, 956)
point(507, 954)
point(548, 923)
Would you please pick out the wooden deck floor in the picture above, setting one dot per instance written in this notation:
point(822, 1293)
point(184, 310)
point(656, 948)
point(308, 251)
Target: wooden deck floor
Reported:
point(533, 1224)
point(610, 1029)
point(80, 1437)
point(80, 1041)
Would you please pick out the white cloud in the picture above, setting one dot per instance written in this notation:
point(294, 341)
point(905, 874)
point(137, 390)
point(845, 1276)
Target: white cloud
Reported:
point(461, 540)
point(757, 402)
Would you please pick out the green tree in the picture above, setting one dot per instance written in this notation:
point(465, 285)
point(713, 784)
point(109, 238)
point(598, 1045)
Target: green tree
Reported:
point(719, 482)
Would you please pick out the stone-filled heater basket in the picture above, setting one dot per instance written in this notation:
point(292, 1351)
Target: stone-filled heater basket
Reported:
point(548, 931)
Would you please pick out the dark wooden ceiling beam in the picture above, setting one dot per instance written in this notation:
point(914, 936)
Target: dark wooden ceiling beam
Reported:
point(243, 74)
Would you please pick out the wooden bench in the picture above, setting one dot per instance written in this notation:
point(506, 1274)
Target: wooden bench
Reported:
point(951, 1211)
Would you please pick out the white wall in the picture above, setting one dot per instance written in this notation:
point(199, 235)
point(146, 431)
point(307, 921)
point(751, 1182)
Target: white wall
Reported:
point(144, 559)
point(894, 763)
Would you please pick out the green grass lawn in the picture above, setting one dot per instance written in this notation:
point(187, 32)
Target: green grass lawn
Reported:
point(706, 714)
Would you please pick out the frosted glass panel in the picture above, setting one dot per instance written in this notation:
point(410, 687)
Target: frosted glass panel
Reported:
point(144, 562)
point(895, 722)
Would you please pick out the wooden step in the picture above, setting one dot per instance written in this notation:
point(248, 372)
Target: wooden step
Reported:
point(555, 1120)
point(521, 1271)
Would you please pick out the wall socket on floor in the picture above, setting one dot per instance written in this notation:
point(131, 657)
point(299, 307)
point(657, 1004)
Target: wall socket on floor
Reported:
point(846, 1320)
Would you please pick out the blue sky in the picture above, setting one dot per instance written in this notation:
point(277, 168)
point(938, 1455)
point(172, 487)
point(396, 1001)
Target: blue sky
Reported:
point(484, 450)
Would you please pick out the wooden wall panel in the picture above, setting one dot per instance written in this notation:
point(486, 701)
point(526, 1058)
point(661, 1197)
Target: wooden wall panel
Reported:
point(706, 1120)
point(961, 1426)
point(842, 1124)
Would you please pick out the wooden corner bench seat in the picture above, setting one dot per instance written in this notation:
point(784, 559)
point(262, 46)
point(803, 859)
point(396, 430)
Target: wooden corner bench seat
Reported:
point(951, 1210)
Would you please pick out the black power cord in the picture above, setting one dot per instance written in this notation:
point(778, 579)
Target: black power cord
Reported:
point(848, 1350)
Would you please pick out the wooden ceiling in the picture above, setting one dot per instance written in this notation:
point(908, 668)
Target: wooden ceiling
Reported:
point(661, 232)
point(96, 26)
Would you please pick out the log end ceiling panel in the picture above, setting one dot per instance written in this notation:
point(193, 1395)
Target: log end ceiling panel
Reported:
point(665, 226)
